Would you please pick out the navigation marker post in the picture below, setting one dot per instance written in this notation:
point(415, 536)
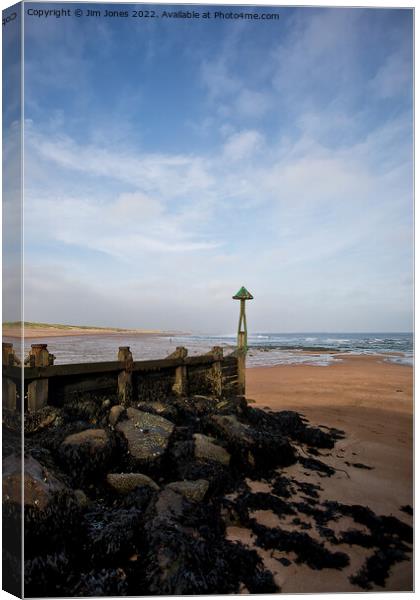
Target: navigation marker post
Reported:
point(243, 295)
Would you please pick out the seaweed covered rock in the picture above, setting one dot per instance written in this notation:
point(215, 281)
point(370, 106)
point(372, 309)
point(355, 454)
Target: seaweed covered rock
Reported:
point(163, 409)
point(40, 486)
point(89, 407)
point(115, 414)
point(47, 575)
point(187, 553)
point(147, 435)
point(50, 507)
point(155, 488)
point(189, 408)
point(111, 535)
point(206, 448)
point(124, 483)
point(86, 453)
point(191, 490)
point(104, 582)
point(293, 425)
point(94, 440)
point(256, 447)
point(233, 431)
point(48, 416)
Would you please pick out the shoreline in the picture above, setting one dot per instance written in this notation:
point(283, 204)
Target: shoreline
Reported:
point(372, 402)
point(324, 499)
point(48, 332)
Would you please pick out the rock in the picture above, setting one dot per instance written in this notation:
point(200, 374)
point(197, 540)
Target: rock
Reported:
point(85, 454)
point(259, 445)
point(206, 448)
point(124, 483)
point(230, 429)
point(81, 498)
point(87, 407)
point(191, 490)
point(170, 505)
point(115, 414)
point(147, 435)
point(40, 485)
point(195, 406)
point(96, 440)
point(158, 408)
point(48, 416)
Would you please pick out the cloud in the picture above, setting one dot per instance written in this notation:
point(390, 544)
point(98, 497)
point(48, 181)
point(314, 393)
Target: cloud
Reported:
point(128, 228)
point(232, 96)
point(289, 188)
point(168, 174)
point(243, 144)
point(251, 103)
point(393, 78)
point(294, 178)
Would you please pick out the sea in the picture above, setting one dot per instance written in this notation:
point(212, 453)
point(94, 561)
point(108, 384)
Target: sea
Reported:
point(265, 349)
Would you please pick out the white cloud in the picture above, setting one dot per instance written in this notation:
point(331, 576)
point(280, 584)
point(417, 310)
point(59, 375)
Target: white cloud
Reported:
point(243, 144)
point(173, 175)
point(299, 215)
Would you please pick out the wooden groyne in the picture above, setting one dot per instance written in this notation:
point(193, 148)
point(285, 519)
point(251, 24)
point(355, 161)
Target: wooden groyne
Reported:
point(44, 383)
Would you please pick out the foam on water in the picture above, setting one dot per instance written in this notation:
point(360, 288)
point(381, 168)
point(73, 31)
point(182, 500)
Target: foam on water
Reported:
point(264, 348)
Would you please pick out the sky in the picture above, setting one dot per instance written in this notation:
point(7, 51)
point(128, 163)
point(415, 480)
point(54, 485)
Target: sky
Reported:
point(169, 161)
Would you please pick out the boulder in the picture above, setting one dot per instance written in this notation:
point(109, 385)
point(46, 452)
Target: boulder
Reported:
point(195, 406)
point(206, 448)
point(170, 506)
point(39, 484)
point(81, 498)
point(230, 429)
point(115, 414)
point(158, 408)
point(48, 416)
point(147, 435)
point(85, 454)
point(124, 483)
point(191, 490)
point(95, 440)
point(258, 446)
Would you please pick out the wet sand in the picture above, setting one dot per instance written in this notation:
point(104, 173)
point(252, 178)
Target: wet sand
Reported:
point(372, 401)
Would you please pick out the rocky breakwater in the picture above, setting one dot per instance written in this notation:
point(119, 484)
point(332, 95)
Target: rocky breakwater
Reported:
point(137, 500)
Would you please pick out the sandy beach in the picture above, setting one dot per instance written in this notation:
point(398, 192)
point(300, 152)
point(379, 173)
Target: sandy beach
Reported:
point(51, 331)
point(372, 402)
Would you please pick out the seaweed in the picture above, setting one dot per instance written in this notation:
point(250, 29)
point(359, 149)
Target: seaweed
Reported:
point(308, 550)
point(91, 541)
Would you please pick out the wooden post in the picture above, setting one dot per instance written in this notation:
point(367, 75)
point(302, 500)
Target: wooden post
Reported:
point(242, 295)
point(125, 378)
point(242, 330)
point(180, 387)
point(241, 363)
point(38, 389)
point(8, 386)
point(217, 380)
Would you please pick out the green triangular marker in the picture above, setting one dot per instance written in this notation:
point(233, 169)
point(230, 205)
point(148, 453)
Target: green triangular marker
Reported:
point(243, 294)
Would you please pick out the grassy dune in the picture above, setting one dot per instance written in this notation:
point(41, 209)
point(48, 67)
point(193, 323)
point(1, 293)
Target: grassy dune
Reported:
point(32, 329)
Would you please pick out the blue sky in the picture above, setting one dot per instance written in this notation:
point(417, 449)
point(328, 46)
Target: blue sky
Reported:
point(169, 162)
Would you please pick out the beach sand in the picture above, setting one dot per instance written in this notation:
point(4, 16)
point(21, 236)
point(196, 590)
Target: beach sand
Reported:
point(70, 331)
point(372, 401)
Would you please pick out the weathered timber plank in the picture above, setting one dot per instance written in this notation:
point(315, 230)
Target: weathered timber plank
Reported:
point(68, 370)
point(63, 389)
point(208, 359)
